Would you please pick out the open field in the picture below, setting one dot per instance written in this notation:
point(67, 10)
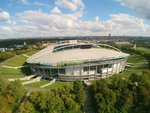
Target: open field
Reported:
point(139, 62)
point(17, 60)
point(60, 84)
point(38, 84)
point(53, 86)
point(10, 71)
point(145, 50)
point(31, 53)
point(135, 59)
point(13, 73)
point(11, 76)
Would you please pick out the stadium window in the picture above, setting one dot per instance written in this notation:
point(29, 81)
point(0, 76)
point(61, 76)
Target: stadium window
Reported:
point(100, 66)
point(69, 47)
point(77, 46)
point(86, 69)
point(110, 66)
point(54, 72)
point(106, 65)
point(62, 71)
point(86, 46)
point(92, 68)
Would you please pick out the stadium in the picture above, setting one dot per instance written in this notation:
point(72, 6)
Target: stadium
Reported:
point(72, 60)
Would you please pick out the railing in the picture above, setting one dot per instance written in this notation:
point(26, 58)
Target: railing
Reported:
point(112, 47)
point(71, 46)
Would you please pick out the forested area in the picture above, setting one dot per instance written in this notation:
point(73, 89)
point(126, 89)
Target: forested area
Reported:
point(31, 41)
point(122, 95)
point(11, 94)
point(60, 100)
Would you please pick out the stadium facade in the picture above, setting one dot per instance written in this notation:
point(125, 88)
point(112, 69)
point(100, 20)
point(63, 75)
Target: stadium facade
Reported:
point(75, 60)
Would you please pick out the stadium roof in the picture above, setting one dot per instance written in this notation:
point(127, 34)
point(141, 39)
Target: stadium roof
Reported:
point(47, 56)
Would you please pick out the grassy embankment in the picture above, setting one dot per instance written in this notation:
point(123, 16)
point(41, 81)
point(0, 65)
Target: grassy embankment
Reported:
point(19, 60)
point(15, 61)
point(139, 63)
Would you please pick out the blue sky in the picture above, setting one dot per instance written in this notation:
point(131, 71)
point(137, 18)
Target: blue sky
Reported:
point(28, 18)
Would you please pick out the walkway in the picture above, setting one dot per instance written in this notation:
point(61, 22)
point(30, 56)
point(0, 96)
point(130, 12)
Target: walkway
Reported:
point(88, 106)
point(25, 55)
point(11, 67)
point(51, 82)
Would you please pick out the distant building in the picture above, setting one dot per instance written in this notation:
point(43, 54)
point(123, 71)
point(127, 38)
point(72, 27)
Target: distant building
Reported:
point(134, 46)
point(122, 43)
point(24, 43)
point(2, 49)
point(19, 46)
point(109, 35)
point(73, 60)
point(6, 49)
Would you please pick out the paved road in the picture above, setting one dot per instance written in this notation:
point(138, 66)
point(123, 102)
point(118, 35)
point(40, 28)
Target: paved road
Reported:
point(88, 106)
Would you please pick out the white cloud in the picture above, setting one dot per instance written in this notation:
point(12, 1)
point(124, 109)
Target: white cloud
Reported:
point(56, 10)
point(140, 6)
point(73, 5)
point(63, 21)
point(26, 2)
point(5, 18)
point(126, 24)
point(97, 18)
point(49, 24)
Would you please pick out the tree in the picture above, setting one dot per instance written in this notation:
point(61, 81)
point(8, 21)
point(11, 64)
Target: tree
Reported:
point(16, 90)
point(27, 107)
point(77, 85)
point(4, 105)
point(3, 85)
point(71, 106)
point(56, 105)
point(81, 96)
point(79, 91)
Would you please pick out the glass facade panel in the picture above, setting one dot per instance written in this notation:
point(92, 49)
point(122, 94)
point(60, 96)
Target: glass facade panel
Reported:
point(86, 69)
point(54, 72)
point(92, 68)
point(62, 71)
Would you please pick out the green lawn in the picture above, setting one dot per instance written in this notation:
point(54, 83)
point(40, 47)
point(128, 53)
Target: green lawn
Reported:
point(38, 84)
point(145, 50)
point(135, 59)
point(138, 61)
point(32, 52)
point(53, 86)
point(11, 73)
point(18, 73)
point(17, 60)
point(11, 76)
point(140, 64)
point(60, 85)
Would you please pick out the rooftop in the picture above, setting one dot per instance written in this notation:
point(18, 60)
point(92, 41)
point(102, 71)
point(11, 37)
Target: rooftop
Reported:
point(47, 56)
